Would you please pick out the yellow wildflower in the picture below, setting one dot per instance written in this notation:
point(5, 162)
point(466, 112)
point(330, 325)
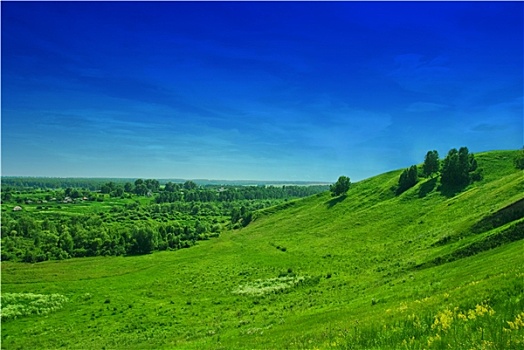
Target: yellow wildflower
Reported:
point(471, 314)
point(519, 320)
point(443, 320)
point(517, 323)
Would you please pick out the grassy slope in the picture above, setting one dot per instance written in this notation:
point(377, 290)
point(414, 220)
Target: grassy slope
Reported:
point(366, 251)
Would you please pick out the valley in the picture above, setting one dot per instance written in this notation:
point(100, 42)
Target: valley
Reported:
point(372, 269)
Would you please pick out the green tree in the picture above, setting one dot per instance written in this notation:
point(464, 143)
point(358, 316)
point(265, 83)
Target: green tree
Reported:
point(152, 185)
point(143, 239)
point(108, 187)
point(450, 168)
point(141, 189)
point(341, 186)
point(170, 187)
point(190, 185)
point(76, 194)
point(65, 241)
point(235, 215)
point(431, 163)
point(6, 196)
point(407, 179)
point(128, 187)
point(459, 168)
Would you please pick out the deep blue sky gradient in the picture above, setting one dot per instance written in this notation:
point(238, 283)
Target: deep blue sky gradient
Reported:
point(255, 90)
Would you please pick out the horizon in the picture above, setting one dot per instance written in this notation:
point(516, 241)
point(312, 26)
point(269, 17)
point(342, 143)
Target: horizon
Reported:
point(279, 91)
point(271, 182)
point(176, 180)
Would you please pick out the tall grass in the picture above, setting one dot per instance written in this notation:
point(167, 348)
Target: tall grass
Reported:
point(481, 327)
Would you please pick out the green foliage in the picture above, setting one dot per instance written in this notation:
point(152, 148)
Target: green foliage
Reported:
point(341, 186)
point(431, 163)
point(459, 168)
point(190, 185)
point(54, 226)
point(407, 179)
point(143, 240)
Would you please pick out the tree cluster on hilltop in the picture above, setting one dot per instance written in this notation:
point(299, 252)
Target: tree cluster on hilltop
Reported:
point(458, 169)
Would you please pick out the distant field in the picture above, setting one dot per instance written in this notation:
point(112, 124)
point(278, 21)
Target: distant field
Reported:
point(371, 270)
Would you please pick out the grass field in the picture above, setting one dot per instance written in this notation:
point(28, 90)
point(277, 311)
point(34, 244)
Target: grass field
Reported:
point(371, 270)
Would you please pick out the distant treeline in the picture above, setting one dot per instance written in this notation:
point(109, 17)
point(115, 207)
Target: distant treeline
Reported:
point(189, 192)
point(171, 192)
point(95, 184)
point(24, 183)
point(60, 237)
point(125, 218)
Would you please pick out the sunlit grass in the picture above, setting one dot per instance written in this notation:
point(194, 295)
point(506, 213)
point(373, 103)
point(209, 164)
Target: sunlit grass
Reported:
point(354, 274)
point(271, 285)
point(16, 305)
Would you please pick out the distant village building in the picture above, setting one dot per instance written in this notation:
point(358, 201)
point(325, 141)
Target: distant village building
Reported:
point(17, 208)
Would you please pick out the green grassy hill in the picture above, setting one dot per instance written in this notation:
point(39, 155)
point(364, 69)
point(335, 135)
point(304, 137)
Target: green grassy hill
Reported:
point(421, 270)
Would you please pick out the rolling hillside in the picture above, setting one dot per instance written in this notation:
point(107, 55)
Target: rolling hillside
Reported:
point(422, 270)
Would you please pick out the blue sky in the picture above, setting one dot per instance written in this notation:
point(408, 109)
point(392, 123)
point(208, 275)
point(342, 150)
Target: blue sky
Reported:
point(255, 90)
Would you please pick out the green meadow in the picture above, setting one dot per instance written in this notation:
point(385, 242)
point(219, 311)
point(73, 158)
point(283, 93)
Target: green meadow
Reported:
point(426, 269)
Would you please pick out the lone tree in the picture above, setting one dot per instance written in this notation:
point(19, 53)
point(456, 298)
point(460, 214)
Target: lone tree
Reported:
point(340, 187)
point(407, 179)
point(431, 163)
